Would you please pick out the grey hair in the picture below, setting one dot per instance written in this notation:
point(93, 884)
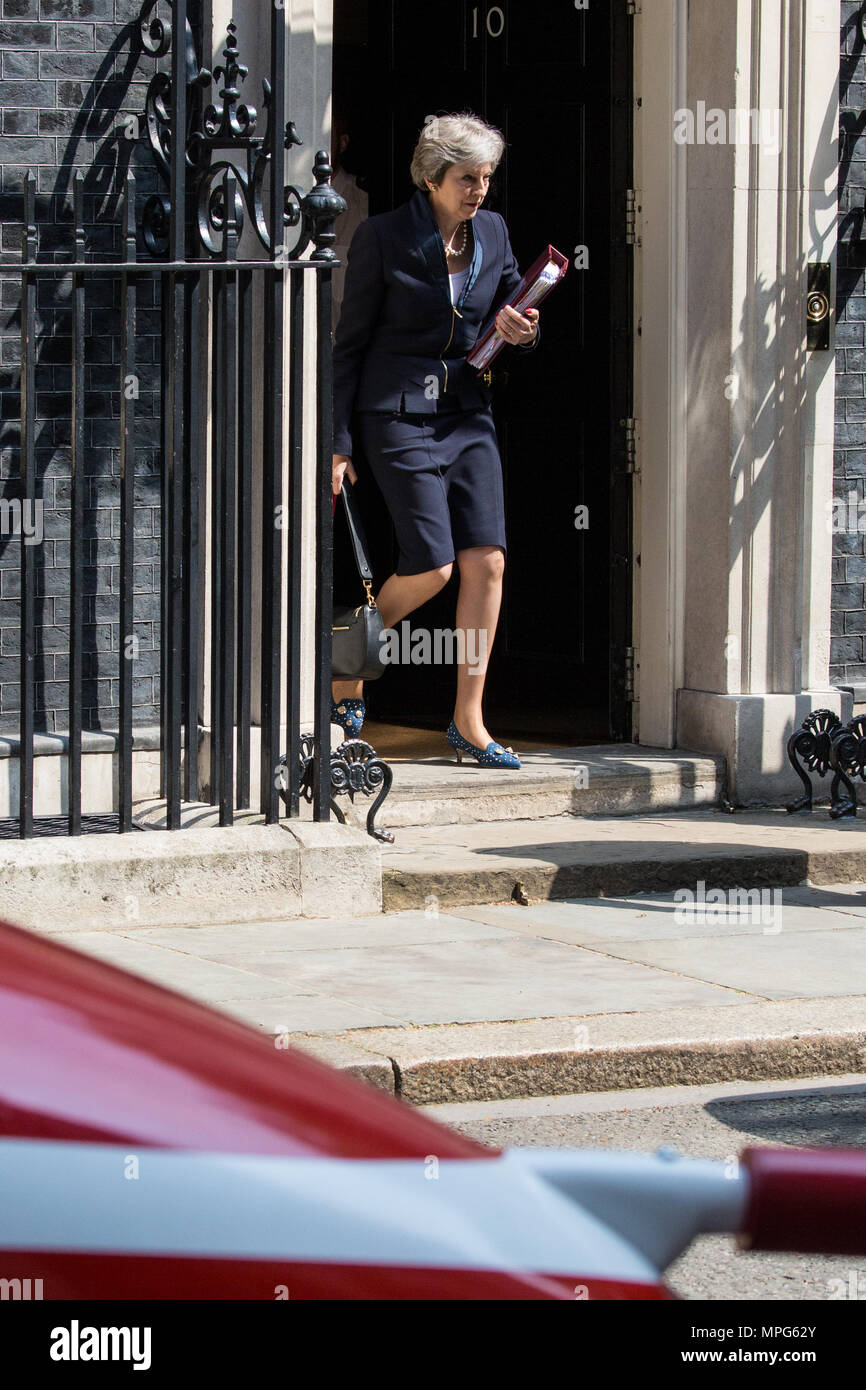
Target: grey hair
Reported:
point(457, 139)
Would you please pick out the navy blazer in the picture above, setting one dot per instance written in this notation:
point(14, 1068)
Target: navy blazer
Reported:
point(400, 343)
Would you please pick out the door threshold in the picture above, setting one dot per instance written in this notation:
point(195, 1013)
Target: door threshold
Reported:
point(401, 743)
point(591, 780)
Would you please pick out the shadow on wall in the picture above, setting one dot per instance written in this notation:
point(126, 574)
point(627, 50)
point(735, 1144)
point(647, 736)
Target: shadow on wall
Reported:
point(852, 124)
point(105, 142)
point(761, 399)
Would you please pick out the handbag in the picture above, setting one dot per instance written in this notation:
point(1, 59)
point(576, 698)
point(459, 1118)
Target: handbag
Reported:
point(356, 634)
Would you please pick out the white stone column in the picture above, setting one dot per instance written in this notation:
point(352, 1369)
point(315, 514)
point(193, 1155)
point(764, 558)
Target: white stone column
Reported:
point(759, 408)
point(660, 394)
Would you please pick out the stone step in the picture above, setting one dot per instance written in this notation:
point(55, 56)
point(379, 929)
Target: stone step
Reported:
point(436, 867)
point(600, 780)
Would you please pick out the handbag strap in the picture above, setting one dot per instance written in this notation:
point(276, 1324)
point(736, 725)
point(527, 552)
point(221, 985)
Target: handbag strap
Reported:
point(356, 531)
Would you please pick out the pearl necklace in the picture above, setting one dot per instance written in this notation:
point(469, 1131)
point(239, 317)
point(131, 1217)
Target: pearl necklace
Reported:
point(450, 250)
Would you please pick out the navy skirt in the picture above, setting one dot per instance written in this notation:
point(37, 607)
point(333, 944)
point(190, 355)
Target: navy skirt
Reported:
point(441, 477)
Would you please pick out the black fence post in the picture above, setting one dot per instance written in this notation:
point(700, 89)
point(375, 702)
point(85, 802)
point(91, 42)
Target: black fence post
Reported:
point(225, 519)
point(297, 287)
point(27, 474)
point(127, 639)
point(76, 516)
point(272, 468)
point(245, 533)
point(321, 206)
point(172, 524)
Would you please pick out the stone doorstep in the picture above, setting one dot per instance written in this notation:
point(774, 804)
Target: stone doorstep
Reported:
point(166, 877)
point(563, 858)
point(606, 779)
point(573, 876)
point(615, 779)
point(777, 1040)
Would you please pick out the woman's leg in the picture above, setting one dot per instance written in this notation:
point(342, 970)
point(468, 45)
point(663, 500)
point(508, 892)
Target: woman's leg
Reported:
point(478, 603)
point(398, 596)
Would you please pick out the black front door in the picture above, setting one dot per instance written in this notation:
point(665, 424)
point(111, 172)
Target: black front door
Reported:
point(556, 80)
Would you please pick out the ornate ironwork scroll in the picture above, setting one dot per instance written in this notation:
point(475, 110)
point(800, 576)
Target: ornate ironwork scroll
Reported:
point(227, 127)
point(848, 760)
point(355, 767)
point(824, 744)
point(809, 747)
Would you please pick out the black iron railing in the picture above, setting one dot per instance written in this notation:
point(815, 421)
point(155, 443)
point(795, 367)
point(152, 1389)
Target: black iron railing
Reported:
point(219, 174)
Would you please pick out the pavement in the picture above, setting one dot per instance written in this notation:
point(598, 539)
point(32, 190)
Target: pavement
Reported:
point(501, 1000)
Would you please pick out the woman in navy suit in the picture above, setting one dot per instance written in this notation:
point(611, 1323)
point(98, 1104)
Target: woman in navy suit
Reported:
point(420, 282)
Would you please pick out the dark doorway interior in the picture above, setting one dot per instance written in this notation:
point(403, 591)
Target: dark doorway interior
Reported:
point(556, 80)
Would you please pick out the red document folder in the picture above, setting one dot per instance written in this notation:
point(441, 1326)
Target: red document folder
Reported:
point(536, 284)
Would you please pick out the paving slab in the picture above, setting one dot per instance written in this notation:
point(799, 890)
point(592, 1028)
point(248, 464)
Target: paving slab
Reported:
point(504, 1001)
point(457, 981)
point(659, 916)
point(846, 898)
point(202, 979)
point(272, 938)
point(792, 965)
point(290, 1014)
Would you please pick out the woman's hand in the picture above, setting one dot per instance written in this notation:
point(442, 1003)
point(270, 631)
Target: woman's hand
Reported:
point(341, 465)
point(518, 329)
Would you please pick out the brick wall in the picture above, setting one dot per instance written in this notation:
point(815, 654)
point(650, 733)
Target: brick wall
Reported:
point(847, 652)
point(69, 72)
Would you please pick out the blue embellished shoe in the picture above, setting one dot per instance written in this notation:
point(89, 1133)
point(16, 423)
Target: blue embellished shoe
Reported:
point(349, 714)
point(494, 755)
